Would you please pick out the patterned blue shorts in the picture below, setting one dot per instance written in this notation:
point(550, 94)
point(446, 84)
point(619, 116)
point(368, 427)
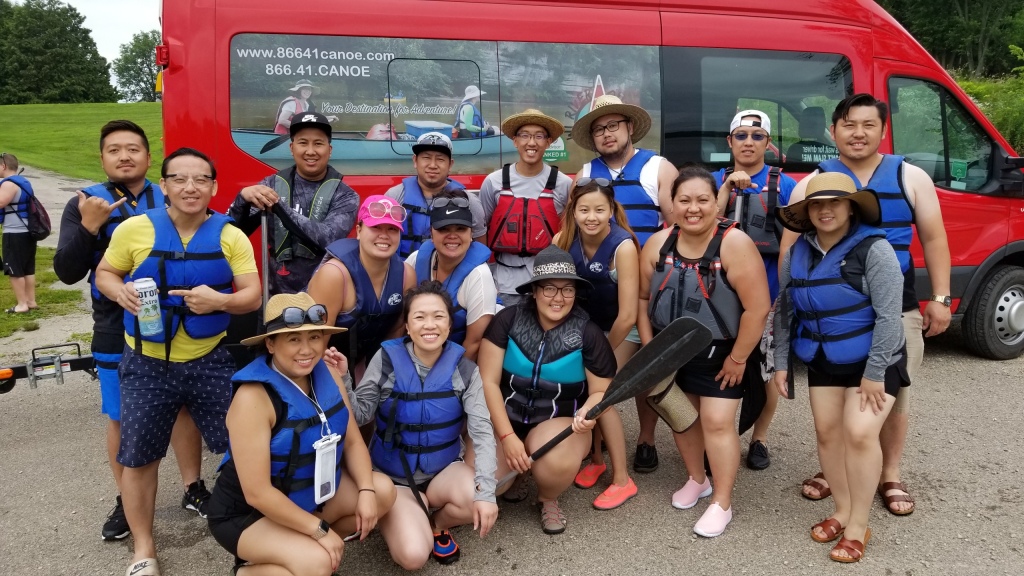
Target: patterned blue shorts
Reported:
point(153, 392)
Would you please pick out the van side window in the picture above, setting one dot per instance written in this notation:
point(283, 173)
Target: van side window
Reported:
point(935, 133)
point(796, 89)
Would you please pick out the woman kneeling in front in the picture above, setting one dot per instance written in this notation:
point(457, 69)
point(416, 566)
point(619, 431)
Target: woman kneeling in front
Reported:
point(841, 317)
point(422, 391)
point(281, 498)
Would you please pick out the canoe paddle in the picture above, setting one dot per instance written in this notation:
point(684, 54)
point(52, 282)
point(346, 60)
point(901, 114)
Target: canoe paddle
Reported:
point(674, 346)
point(271, 144)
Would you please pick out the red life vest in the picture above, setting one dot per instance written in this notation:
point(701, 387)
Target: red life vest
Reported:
point(300, 107)
point(523, 226)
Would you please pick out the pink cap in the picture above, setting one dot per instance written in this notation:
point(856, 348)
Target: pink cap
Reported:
point(388, 218)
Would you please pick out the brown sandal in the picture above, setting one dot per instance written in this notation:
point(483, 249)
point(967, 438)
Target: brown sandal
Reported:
point(822, 487)
point(890, 500)
point(829, 526)
point(853, 548)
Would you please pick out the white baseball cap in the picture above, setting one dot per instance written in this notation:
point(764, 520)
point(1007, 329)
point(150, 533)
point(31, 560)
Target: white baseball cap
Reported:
point(433, 141)
point(738, 120)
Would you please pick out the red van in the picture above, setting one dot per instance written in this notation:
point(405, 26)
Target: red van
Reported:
point(388, 70)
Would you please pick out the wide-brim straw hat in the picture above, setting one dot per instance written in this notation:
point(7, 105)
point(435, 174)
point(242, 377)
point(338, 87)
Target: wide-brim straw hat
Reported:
point(830, 185)
point(510, 127)
point(275, 307)
point(552, 263)
point(609, 104)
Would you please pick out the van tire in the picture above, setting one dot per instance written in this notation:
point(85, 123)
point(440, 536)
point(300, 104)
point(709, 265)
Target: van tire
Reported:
point(986, 329)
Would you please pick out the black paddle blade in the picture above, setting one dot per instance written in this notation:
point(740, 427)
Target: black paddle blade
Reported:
point(666, 353)
point(271, 144)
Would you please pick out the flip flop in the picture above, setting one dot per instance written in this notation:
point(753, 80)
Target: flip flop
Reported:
point(890, 500)
point(144, 567)
point(822, 487)
point(12, 310)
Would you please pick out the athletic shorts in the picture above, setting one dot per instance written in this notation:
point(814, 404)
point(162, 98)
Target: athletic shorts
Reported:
point(698, 375)
point(633, 336)
point(19, 255)
point(228, 530)
point(110, 384)
point(895, 377)
point(153, 392)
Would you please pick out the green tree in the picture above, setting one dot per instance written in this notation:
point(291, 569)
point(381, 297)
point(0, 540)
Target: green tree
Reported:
point(136, 67)
point(47, 57)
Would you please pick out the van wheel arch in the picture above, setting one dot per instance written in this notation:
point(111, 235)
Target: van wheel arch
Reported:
point(993, 326)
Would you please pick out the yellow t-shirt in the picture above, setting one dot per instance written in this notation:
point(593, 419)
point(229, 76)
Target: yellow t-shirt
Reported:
point(130, 246)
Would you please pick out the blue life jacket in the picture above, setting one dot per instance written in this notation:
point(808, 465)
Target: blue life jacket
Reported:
point(830, 314)
point(699, 290)
point(292, 457)
point(373, 317)
point(542, 376)
point(421, 420)
point(602, 302)
point(897, 213)
point(174, 267)
point(151, 197)
point(476, 255)
point(417, 225)
point(478, 121)
point(21, 206)
point(642, 211)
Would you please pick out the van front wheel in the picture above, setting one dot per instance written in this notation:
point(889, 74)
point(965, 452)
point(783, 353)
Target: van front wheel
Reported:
point(993, 326)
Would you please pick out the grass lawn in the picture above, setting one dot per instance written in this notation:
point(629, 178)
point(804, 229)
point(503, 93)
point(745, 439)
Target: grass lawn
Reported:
point(52, 301)
point(64, 138)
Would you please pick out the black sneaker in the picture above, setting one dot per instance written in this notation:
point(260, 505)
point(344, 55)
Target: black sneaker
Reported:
point(116, 526)
point(196, 498)
point(446, 551)
point(757, 456)
point(646, 459)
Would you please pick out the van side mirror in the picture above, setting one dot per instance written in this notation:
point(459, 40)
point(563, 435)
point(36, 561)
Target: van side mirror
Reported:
point(1008, 180)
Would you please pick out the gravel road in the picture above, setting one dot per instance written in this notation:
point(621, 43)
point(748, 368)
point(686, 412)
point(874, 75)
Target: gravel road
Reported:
point(962, 464)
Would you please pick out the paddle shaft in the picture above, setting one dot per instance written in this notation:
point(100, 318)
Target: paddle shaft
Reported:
point(265, 253)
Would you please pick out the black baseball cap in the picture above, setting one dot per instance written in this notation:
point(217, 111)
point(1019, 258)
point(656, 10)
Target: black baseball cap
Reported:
point(310, 120)
point(441, 216)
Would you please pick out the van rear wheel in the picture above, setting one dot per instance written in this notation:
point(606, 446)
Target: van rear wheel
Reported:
point(994, 324)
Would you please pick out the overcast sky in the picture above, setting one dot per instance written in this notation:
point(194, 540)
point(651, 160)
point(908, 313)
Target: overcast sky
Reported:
point(114, 22)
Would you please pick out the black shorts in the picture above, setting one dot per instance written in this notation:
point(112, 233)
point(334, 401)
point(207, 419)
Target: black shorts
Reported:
point(19, 255)
point(698, 375)
point(896, 377)
point(227, 530)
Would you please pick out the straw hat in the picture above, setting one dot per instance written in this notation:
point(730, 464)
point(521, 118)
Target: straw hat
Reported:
point(609, 104)
point(830, 185)
point(275, 307)
point(672, 405)
point(510, 127)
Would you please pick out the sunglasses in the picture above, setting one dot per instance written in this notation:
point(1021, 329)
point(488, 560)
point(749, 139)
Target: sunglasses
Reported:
point(603, 182)
point(293, 317)
point(445, 202)
point(381, 209)
point(756, 136)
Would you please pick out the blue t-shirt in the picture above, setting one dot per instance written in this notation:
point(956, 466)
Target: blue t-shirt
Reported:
point(758, 182)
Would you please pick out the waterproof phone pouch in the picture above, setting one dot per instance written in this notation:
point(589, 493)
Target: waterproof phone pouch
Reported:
point(325, 476)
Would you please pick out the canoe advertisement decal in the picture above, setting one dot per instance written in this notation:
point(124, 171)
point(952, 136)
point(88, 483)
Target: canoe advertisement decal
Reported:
point(380, 94)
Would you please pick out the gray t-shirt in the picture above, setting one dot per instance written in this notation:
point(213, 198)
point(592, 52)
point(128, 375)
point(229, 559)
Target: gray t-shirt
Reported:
point(513, 270)
point(377, 385)
point(479, 222)
point(883, 285)
point(13, 224)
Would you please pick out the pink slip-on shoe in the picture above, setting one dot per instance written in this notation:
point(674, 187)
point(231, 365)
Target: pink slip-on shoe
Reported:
point(713, 522)
point(687, 496)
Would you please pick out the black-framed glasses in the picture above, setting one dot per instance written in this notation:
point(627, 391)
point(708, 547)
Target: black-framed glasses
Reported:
point(756, 136)
point(445, 202)
point(603, 182)
point(549, 291)
point(613, 126)
point(526, 136)
point(181, 180)
point(293, 317)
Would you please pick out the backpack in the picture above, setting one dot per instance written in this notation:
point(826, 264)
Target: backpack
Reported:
point(38, 220)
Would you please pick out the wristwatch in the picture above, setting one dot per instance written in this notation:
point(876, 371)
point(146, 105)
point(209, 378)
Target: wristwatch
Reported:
point(322, 530)
point(946, 301)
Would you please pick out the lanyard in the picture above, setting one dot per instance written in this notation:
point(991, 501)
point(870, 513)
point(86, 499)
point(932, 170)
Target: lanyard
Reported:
point(324, 425)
